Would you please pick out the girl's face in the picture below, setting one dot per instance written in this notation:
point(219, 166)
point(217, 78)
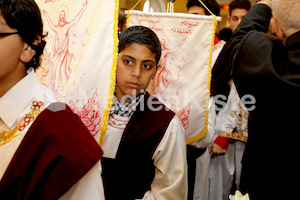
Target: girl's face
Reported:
point(12, 67)
point(236, 17)
point(136, 67)
point(196, 10)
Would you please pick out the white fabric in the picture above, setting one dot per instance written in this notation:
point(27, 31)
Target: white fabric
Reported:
point(233, 118)
point(182, 78)
point(79, 54)
point(170, 181)
point(209, 137)
point(113, 136)
point(216, 51)
point(85, 188)
point(201, 191)
point(14, 101)
point(223, 168)
point(202, 177)
point(14, 105)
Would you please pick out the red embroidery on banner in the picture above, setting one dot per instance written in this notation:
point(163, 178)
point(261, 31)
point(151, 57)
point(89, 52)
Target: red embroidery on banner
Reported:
point(89, 113)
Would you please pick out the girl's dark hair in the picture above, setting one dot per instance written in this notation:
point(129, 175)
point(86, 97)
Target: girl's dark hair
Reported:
point(212, 5)
point(242, 4)
point(25, 16)
point(140, 35)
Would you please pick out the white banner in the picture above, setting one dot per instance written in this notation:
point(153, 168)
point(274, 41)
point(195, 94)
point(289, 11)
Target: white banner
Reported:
point(80, 55)
point(182, 80)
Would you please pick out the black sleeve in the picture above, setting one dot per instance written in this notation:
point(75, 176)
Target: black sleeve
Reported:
point(257, 19)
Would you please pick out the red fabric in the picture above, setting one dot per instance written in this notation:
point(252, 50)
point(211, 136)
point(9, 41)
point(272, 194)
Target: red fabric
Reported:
point(217, 40)
point(55, 153)
point(222, 142)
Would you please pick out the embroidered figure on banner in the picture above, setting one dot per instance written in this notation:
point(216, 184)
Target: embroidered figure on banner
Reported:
point(61, 58)
point(165, 77)
point(161, 81)
point(88, 111)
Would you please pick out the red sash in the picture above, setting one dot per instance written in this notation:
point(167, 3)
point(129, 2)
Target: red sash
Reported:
point(55, 153)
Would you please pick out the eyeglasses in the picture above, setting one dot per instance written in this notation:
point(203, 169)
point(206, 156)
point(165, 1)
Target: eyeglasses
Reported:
point(7, 34)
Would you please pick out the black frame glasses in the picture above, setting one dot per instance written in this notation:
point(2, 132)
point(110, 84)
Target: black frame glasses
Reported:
point(7, 34)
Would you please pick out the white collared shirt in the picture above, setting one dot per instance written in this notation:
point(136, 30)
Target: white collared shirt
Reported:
point(15, 101)
point(14, 105)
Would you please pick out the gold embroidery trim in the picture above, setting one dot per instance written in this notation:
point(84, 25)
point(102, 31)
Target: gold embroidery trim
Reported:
point(7, 136)
point(112, 86)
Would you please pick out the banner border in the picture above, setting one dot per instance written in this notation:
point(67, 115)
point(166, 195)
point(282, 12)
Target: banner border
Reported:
point(103, 128)
point(203, 133)
point(172, 15)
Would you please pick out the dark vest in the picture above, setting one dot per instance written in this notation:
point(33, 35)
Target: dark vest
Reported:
point(130, 174)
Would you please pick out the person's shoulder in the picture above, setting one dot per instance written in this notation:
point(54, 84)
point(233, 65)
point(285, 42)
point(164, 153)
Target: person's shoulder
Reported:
point(176, 122)
point(154, 104)
point(59, 118)
point(260, 47)
point(61, 124)
point(256, 37)
point(176, 130)
point(58, 111)
point(154, 112)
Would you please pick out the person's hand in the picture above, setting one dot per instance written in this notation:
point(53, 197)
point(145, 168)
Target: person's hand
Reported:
point(266, 2)
point(216, 150)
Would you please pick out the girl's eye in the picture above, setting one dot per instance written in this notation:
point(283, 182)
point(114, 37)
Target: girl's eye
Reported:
point(128, 62)
point(147, 66)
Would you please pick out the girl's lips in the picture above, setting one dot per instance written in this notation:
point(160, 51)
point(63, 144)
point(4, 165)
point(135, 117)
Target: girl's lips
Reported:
point(133, 85)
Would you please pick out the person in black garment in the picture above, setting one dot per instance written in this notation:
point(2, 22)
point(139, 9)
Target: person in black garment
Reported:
point(268, 68)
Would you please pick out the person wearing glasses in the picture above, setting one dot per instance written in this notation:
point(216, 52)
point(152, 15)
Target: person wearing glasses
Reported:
point(46, 152)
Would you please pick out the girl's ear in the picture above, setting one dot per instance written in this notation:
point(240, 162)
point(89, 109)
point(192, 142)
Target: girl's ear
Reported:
point(277, 28)
point(28, 52)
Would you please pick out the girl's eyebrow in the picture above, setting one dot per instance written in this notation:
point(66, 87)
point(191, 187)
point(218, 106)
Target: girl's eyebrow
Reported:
point(148, 60)
point(129, 57)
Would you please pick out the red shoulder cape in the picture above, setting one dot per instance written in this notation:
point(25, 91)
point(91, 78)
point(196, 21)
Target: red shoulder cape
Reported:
point(55, 153)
